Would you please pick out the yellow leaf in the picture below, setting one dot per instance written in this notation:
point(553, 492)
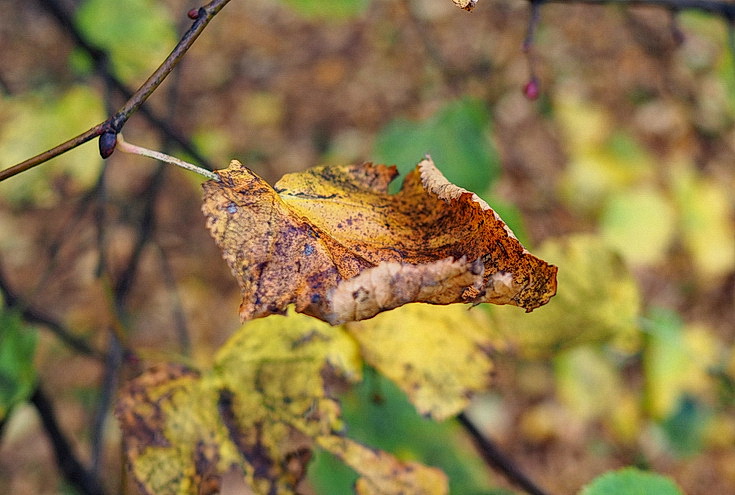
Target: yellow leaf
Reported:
point(639, 224)
point(626, 418)
point(585, 125)
point(438, 355)
point(600, 301)
point(588, 384)
point(602, 160)
point(720, 431)
point(678, 360)
point(267, 401)
point(706, 220)
point(332, 241)
point(174, 440)
point(383, 474)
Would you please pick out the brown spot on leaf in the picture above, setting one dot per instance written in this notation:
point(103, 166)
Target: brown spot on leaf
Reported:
point(140, 413)
point(206, 478)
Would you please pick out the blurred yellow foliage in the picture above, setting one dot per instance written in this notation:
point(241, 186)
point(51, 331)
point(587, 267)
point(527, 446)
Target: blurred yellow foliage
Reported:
point(31, 124)
point(587, 383)
point(705, 213)
point(598, 300)
point(720, 432)
point(626, 418)
point(640, 224)
point(600, 161)
point(611, 176)
point(677, 360)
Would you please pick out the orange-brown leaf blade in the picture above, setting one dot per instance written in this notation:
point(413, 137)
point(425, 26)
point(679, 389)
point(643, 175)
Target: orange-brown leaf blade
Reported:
point(332, 241)
point(277, 257)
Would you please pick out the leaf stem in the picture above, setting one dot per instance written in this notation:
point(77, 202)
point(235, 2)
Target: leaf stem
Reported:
point(157, 155)
point(12, 300)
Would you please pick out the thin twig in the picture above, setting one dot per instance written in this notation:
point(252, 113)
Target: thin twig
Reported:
point(125, 282)
point(107, 393)
point(36, 316)
point(73, 470)
point(101, 58)
point(115, 123)
point(78, 344)
point(177, 310)
point(4, 86)
point(120, 291)
point(533, 23)
point(72, 143)
point(206, 14)
point(499, 461)
point(723, 9)
point(531, 88)
point(182, 330)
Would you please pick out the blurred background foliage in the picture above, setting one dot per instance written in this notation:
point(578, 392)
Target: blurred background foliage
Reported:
point(621, 174)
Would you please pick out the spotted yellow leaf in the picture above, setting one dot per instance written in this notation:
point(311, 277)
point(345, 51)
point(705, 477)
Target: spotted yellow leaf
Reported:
point(268, 400)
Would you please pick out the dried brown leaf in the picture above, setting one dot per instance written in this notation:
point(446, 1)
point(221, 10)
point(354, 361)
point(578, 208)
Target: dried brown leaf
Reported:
point(465, 4)
point(335, 243)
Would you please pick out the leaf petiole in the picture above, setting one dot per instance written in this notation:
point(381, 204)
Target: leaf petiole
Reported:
point(123, 145)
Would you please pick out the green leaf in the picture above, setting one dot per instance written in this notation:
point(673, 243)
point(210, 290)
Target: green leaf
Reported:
point(664, 361)
point(330, 476)
point(17, 370)
point(457, 136)
point(138, 34)
point(328, 9)
point(685, 428)
point(631, 481)
point(377, 413)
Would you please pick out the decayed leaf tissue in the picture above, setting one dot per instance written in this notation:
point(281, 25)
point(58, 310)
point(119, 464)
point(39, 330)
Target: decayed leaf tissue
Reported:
point(465, 4)
point(333, 242)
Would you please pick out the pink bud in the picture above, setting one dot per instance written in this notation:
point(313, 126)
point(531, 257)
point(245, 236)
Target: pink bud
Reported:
point(531, 89)
point(193, 14)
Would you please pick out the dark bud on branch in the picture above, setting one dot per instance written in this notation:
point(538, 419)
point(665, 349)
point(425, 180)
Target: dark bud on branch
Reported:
point(193, 14)
point(108, 141)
